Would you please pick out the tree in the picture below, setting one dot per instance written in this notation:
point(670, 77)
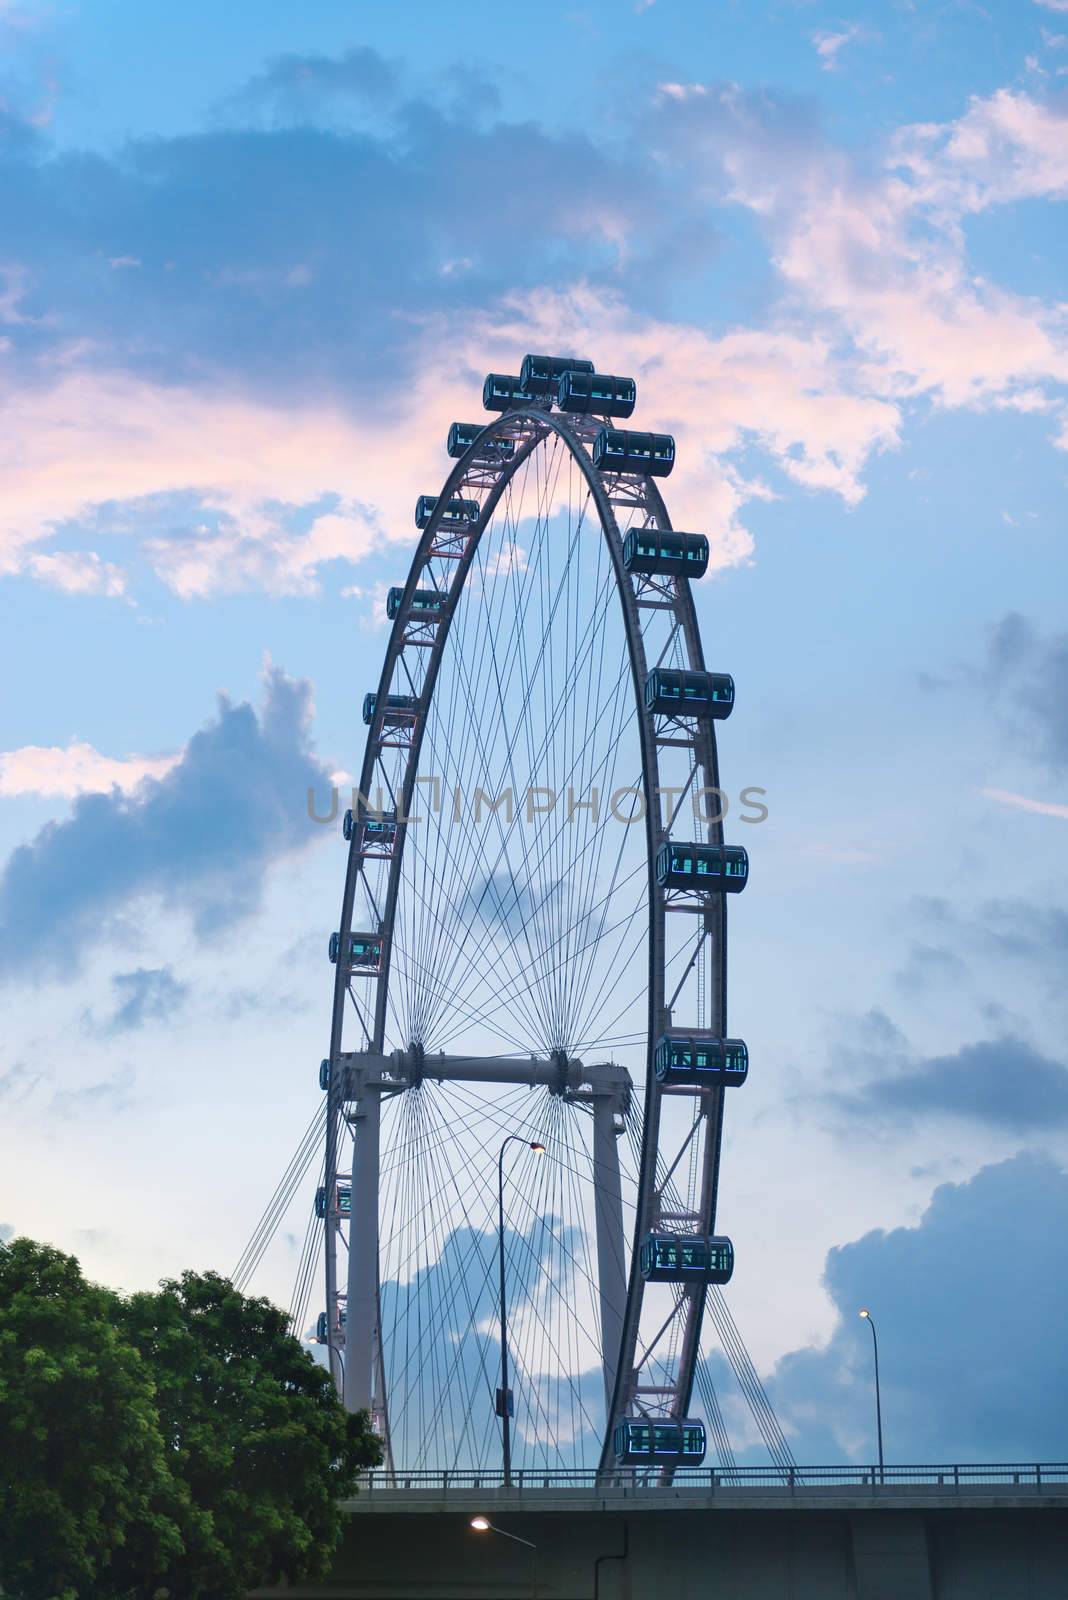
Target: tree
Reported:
point(82, 1464)
point(178, 1445)
point(255, 1433)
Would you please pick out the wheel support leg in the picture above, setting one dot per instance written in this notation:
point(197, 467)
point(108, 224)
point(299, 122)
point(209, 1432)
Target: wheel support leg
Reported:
point(362, 1304)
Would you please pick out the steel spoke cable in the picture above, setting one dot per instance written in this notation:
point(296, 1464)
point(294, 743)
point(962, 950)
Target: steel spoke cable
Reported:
point(487, 634)
point(495, 785)
point(624, 921)
point(281, 1200)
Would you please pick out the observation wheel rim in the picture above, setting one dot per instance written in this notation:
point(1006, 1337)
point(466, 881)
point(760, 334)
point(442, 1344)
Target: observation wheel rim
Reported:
point(575, 434)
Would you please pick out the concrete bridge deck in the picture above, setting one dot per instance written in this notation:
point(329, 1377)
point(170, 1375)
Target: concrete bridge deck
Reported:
point(769, 1541)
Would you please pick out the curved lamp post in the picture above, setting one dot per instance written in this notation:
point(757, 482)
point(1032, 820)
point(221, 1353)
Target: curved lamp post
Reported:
point(870, 1320)
point(484, 1525)
point(504, 1393)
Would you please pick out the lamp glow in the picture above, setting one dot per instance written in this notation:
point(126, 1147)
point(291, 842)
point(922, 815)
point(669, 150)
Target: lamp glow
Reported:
point(863, 1312)
point(538, 1149)
point(481, 1523)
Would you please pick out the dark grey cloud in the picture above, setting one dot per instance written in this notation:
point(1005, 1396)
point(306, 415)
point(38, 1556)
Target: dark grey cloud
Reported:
point(306, 255)
point(1029, 672)
point(952, 942)
point(293, 87)
point(200, 839)
point(1003, 1082)
point(879, 1078)
point(971, 1306)
point(146, 994)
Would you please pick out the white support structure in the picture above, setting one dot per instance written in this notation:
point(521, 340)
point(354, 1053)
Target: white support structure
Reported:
point(361, 1319)
point(608, 1110)
point(604, 1086)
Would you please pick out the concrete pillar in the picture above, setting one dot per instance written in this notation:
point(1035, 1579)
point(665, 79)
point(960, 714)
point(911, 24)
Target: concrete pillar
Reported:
point(611, 1267)
point(362, 1306)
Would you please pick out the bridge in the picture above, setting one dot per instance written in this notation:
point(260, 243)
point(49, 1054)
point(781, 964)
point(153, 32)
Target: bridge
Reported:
point(819, 1533)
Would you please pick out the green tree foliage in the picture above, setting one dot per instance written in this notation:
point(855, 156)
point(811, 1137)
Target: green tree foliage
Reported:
point(82, 1462)
point(177, 1445)
point(255, 1432)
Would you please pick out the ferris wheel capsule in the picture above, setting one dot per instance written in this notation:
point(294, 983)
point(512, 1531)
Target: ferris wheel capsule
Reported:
point(618, 450)
point(542, 374)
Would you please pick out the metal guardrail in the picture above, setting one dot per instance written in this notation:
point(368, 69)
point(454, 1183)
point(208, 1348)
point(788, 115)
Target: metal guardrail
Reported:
point(957, 1477)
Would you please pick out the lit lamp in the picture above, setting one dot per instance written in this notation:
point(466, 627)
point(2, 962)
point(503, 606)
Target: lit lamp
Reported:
point(484, 1525)
point(870, 1320)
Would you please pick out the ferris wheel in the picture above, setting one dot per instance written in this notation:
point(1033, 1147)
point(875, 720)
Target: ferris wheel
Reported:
point(533, 943)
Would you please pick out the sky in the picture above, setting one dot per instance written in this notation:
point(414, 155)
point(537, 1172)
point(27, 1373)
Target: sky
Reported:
point(253, 261)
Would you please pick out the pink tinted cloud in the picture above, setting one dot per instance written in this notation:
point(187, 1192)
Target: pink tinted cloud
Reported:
point(878, 305)
point(78, 572)
point(95, 437)
point(885, 257)
point(76, 768)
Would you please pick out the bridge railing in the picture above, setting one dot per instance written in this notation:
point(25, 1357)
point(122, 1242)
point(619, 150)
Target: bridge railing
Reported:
point(958, 1477)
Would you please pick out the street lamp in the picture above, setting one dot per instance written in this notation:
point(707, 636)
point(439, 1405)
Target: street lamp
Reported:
point(484, 1525)
point(504, 1394)
point(870, 1320)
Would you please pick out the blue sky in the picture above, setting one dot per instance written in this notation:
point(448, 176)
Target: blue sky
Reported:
point(253, 260)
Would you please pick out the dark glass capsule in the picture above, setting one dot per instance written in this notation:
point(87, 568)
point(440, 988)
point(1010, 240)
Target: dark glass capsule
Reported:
point(462, 436)
point(425, 603)
point(704, 868)
point(343, 1207)
point(455, 514)
point(364, 950)
point(542, 374)
point(686, 1258)
point(500, 392)
point(618, 450)
point(659, 1441)
point(702, 1062)
point(599, 392)
point(378, 832)
point(655, 553)
point(707, 695)
point(400, 709)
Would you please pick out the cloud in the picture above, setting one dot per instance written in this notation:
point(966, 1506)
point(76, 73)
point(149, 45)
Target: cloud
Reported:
point(146, 994)
point(79, 572)
point(959, 1382)
point(298, 88)
point(203, 836)
point(119, 448)
point(880, 255)
point(1041, 808)
point(952, 942)
point(1005, 1083)
point(1029, 673)
point(1053, 5)
point(74, 769)
point(291, 258)
point(18, 1082)
point(782, 392)
point(274, 493)
point(112, 1094)
point(1005, 148)
point(324, 269)
point(828, 44)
